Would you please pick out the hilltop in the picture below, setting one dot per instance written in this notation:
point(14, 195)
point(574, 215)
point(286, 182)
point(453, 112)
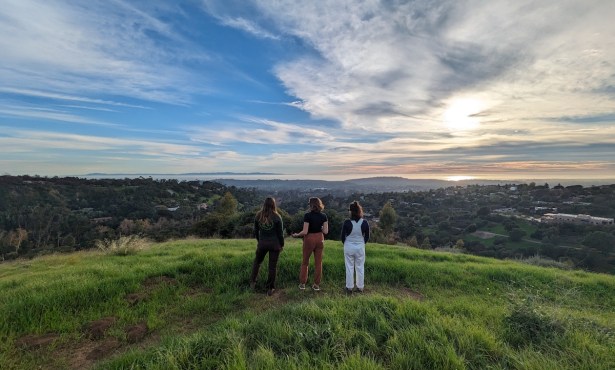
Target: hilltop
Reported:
point(186, 304)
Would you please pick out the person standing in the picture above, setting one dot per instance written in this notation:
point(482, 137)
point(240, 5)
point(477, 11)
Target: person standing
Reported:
point(315, 227)
point(268, 231)
point(355, 234)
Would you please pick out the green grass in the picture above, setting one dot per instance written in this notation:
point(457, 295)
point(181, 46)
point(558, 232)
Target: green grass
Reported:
point(421, 310)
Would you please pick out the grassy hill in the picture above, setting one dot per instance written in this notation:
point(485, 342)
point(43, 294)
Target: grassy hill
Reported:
point(186, 305)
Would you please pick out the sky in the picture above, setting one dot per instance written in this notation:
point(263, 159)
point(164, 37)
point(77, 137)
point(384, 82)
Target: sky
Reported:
point(445, 89)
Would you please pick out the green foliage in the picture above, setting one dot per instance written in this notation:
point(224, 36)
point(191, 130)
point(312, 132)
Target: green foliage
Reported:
point(426, 243)
point(600, 240)
point(388, 218)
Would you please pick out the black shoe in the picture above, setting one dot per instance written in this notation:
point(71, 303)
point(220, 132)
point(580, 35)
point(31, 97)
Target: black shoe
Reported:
point(270, 292)
point(359, 290)
point(348, 291)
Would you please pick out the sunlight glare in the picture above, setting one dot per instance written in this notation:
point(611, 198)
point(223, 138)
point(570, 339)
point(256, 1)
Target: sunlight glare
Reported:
point(459, 178)
point(460, 115)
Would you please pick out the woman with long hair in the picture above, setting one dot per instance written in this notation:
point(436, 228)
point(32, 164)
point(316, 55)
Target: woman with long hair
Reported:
point(315, 227)
point(269, 234)
point(355, 234)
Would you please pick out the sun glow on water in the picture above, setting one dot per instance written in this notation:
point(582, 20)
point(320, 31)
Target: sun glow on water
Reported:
point(459, 178)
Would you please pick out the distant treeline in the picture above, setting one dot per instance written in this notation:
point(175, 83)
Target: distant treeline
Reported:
point(41, 215)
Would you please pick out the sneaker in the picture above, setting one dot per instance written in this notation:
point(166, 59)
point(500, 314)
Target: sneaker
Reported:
point(270, 292)
point(348, 291)
point(302, 286)
point(315, 287)
point(359, 290)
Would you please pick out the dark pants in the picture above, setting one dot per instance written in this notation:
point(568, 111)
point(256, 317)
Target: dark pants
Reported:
point(274, 252)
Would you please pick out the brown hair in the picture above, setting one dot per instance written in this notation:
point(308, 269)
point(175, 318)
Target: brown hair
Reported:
point(266, 213)
point(356, 211)
point(316, 204)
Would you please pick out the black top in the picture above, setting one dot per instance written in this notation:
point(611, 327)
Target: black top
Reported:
point(272, 231)
point(347, 229)
point(316, 220)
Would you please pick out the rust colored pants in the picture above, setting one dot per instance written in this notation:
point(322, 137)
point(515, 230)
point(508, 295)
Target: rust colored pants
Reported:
point(312, 243)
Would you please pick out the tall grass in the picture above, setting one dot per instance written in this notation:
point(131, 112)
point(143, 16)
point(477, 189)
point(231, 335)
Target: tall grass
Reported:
point(421, 310)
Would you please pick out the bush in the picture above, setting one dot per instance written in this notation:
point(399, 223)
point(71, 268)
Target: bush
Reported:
point(125, 245)
point(538, 260)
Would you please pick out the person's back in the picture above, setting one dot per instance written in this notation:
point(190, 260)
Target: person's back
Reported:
point(270, 231)
point(356, 236)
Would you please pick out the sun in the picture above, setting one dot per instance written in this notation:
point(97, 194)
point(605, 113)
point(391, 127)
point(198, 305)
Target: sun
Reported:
point(461, 114)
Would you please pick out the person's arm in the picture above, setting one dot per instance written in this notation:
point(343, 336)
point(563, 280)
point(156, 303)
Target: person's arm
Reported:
point(303, 232)
point(280, 232)
point(325, 228)
point(256, 229)
point(365, 231)
point(346, 230)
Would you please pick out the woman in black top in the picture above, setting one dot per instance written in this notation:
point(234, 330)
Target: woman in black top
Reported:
point(268, 230)
point(315, 227)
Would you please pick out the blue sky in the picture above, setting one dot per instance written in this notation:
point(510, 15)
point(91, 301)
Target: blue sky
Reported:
point(309, 89)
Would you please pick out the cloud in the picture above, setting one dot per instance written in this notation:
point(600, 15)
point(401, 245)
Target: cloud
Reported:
point(57, 96)
point(252, 130)
point(93, 48)
point(378, 65)
point(36, 141)
point(249, 27)
point(26, 112)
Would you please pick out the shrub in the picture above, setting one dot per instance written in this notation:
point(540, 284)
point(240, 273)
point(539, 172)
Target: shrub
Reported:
point(538, 260)
point(123, 246)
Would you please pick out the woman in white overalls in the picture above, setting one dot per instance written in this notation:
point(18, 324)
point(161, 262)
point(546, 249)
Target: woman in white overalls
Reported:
point(355, 234)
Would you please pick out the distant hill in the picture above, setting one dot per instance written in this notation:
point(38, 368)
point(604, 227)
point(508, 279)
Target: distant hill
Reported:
point(186, 304)
point(362, 185)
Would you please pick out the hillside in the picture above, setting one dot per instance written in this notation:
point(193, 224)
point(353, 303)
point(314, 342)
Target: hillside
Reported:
point(186, 304)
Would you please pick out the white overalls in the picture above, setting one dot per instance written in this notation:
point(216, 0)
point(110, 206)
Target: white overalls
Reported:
point(354, 255)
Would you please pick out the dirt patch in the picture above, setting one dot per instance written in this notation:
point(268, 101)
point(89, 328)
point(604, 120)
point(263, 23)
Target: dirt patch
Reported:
point(134, 298)
point(195, 291)
point(103, 349)
point(483, 234)
point(412, 294)
point(154, 281)
point(96, 329)
point(32, 341)
point(136, 333)
point(281, 296)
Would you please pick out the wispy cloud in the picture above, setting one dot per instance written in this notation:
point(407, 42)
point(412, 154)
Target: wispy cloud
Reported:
point(50, 115)
point(57, 96)
point(254, 130)
point(93, 48)
point(248, 26)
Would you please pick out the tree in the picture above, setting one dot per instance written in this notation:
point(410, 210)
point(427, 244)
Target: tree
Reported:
point(227, 205)
point(413, 242)
point(600, 240)
point(516, 234)
point(483, 211)
point(426, 244)
point(388, 218)
point(459, 244)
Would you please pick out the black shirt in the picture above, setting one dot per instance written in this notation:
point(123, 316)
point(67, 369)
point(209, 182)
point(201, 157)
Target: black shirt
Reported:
point(316, 220)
